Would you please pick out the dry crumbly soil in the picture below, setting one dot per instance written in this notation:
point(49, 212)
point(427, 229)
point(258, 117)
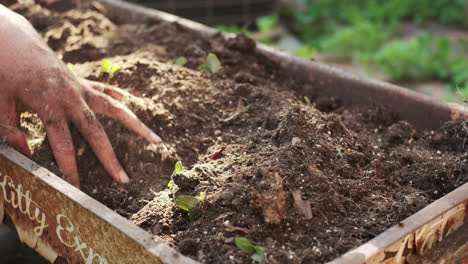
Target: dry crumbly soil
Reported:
point(305, 182)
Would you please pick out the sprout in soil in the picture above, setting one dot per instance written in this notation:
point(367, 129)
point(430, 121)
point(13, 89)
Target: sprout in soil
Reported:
point(71, 67)
point(179, 167)
point(307, 100)
point(189, 203)
point(170, 184)
point(212, 64)
point(339, 153)
point(108, 67)
point(255, 252)
point(181, 61)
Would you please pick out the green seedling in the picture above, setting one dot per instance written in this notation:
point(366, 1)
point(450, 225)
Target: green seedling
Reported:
point(212, 64)
point(108, 67)
point(170, 184)
point(71, 67)
point(35, 144)
point(255, 252)
point(189, 203)
point(179, 167)
point(307, 100)
point(181, 61)
point(339, 153)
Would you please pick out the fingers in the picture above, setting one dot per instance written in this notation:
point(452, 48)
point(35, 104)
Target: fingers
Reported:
point(9, 133)
point(15, 138)
point(107, 106)
point(114, 92)
point(92, 130)
point(62, 146)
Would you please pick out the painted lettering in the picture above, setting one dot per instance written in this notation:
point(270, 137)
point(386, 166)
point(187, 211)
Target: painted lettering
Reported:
point(22, 200)
point(65, 230)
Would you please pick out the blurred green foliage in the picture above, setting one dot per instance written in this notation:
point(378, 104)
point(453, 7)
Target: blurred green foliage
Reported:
point(352, 40)
point(370, 32)
point(267, 23)
point(420, 58)
point(317, 19)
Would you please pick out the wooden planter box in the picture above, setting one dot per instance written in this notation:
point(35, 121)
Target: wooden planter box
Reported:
point(67, 226)
point(214, 11)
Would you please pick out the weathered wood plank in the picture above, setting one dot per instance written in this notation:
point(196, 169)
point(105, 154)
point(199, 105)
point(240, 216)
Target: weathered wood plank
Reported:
point(454, 249)
point(57, 220)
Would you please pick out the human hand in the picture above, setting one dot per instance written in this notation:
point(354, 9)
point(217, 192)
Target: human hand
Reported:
point(34, 78)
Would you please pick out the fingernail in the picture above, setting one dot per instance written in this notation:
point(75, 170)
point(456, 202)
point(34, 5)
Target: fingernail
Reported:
point(155, 138)
point(123, 177)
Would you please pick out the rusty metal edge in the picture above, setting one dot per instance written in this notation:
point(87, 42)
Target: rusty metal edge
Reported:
point(422, 111)
point(152, 244)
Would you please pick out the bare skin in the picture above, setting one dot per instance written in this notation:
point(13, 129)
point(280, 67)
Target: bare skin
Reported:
point(33, 78)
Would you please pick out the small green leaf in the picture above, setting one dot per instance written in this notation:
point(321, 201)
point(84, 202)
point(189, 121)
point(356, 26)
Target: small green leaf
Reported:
point(115, 69)
point(212, 64)
point(255, 252)
point(339, 153)
point(201, 196)
point(245, 245)
point(307, 100)
point(106, 66)
point(194, 214)
point(181, 61)
point(170, 184)
point(259, 255)
point(179, 167)
point(71, 67)
point(187, 203)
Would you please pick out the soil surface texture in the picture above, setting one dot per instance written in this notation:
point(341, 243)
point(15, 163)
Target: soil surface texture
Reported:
point(306, 182)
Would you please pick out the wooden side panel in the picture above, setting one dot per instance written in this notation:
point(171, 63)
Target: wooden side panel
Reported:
point(55, 219)
point(424, 238)
point(415, 235)
point(454, 249)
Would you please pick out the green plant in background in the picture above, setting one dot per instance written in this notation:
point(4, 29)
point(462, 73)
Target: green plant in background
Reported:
point(421, 58)
point(267, 23)
point(234, 29)
point(461, 95)
point(212, 64)
point(108, 67)
point(358, 38)
point(255, 252)
point(370, 32)
point(306, 51)
point(307, 100)
point(317, 19)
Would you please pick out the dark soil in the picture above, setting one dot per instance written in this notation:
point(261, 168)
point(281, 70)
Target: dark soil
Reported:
point(359, 171)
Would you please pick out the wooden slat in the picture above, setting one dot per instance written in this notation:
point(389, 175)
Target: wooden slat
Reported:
point(454, 249)
point(57, 220)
